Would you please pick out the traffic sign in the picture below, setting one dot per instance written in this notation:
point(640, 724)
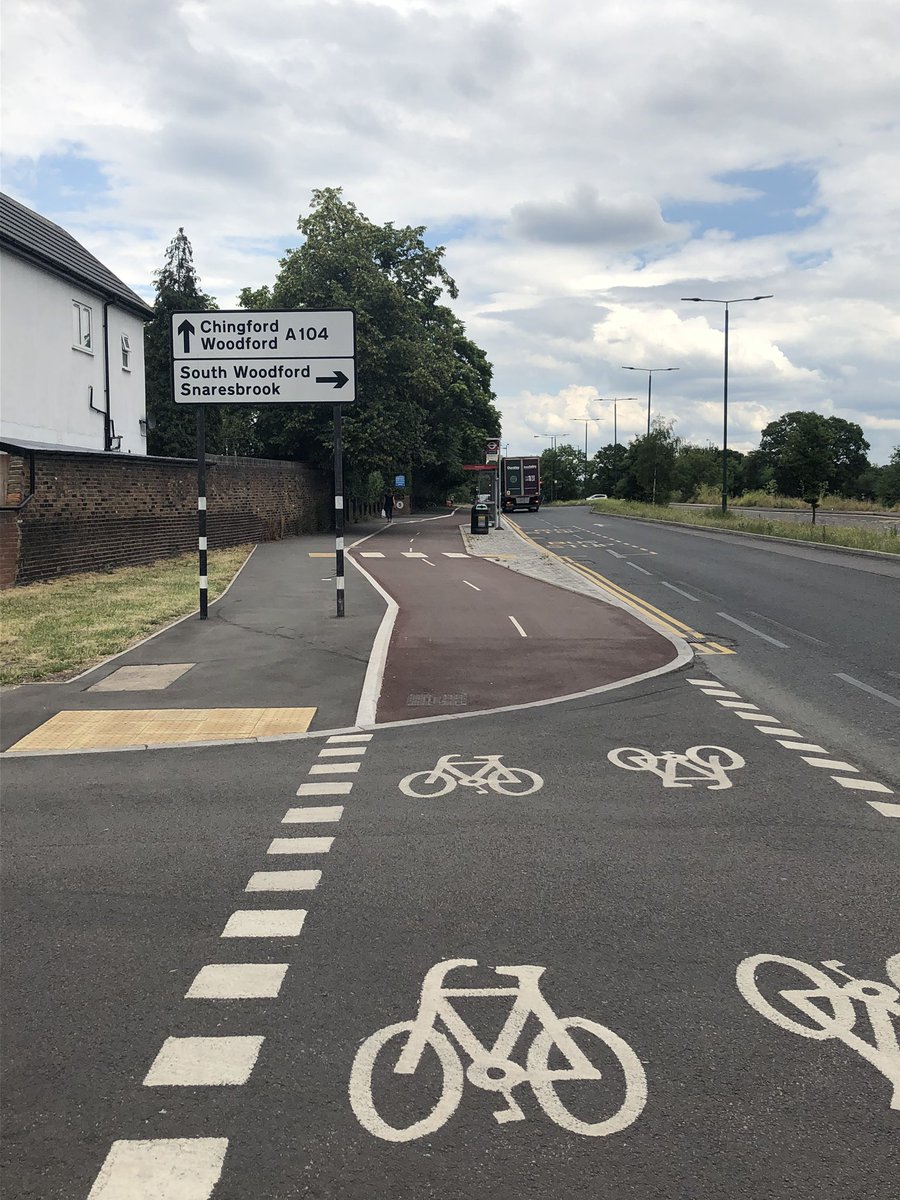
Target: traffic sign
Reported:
point(267, 357)
point(399, 481)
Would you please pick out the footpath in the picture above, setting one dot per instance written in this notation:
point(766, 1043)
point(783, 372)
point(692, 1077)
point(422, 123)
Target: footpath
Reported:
point(452, 632)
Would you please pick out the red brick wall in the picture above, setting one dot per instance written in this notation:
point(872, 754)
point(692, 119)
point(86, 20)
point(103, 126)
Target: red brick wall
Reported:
point(91, 512)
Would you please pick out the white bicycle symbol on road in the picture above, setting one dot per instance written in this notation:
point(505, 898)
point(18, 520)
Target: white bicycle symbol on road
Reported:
point(698, 764)
point(491, 773)
point(839, 1016)
point(493, 1069)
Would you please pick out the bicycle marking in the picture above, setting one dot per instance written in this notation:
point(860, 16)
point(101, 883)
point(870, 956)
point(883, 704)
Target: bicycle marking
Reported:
point(698, 764)
point(843, 997)
point(492, 1068)
point(490, 774)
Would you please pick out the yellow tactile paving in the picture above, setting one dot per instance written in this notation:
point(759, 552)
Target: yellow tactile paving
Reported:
point(111, 730)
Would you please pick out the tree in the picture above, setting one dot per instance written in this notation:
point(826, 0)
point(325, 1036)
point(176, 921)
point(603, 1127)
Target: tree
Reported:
point(424, 400)
point(171, 427)
point(845, 450)
point(696, 467)
point(888, 486)
point(805, 460)
point(606, 468)
point(650, 465)
point(562, 472)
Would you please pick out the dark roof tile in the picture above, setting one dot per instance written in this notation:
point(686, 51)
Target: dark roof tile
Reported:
point(29, 234)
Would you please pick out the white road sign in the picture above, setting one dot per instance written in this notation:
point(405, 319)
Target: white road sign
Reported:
point(240, 357)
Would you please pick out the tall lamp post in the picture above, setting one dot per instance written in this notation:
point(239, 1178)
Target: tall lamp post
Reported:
point(552, 437)
point(615, 404)
point(587, 421)
point(651, 371)
point(740, 300)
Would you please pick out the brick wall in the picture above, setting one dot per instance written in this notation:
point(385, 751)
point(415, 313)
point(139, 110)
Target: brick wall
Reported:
point(93, 512)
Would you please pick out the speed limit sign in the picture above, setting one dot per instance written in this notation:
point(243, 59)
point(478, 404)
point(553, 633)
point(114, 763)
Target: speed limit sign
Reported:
point(398, 504)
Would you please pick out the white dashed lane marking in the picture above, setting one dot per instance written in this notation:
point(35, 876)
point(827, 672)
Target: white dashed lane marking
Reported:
point(325, 788)
point(334, 768)
point(283, 881)
point(204, 1061)
point(296, 816)
point(300, 845)
point(811, 753)
point(160, 1169)
point(264, 922)
point(237, 981)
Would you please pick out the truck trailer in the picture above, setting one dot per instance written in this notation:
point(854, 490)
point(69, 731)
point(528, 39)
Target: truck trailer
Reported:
point(520, 483)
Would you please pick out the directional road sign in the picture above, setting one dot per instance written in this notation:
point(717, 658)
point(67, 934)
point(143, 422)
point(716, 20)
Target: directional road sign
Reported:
point(240, 357)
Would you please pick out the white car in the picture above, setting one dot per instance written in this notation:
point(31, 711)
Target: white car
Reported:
point(599, 496)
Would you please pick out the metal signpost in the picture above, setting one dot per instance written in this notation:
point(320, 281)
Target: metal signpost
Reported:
point(267, 357)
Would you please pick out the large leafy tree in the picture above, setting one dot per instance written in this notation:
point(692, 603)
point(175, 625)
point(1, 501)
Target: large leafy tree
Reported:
point(840, 442)
point(607, 468)
point(424, 400)
point(172, 427)
point(650, 465)
point(562, 473)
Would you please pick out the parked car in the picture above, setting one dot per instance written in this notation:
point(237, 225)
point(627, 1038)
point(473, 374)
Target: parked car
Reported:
point(599, 496)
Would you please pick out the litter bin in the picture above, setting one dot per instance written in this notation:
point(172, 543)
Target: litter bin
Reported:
point(480, 519)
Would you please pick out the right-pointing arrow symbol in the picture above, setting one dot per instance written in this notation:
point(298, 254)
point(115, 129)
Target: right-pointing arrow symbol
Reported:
point(338, 379)
point(186, 329)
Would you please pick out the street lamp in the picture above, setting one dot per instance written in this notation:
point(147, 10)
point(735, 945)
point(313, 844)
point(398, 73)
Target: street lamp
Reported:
point(741, 300)
point(651, 371)
point(552, 437)
point(587, 421)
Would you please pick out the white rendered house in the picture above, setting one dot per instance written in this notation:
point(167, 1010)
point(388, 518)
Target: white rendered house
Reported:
point(71, 340)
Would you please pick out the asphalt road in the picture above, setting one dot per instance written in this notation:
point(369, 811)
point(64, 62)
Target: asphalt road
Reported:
point(814, 631)
point(686, 1065)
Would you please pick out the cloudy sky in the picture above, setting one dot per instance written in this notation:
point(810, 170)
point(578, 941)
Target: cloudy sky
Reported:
point(586, 165)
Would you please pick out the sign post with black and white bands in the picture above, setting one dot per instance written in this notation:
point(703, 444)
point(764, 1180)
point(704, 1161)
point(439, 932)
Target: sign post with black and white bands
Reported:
point(267, 357)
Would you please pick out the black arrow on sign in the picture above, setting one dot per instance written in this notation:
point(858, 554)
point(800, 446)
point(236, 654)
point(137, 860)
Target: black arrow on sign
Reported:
point(338, 379)
point(186, 329)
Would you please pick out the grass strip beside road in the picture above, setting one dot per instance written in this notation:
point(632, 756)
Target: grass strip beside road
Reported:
point(885, 540)
point(52, 630)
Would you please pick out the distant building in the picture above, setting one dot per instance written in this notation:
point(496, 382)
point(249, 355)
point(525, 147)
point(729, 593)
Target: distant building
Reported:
point(72, 343)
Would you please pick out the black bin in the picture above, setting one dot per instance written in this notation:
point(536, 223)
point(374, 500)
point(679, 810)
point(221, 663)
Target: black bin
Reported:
point(480, 519)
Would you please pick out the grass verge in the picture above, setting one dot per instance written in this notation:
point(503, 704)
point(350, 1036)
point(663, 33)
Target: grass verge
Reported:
point(56, 629)
point(760, 499)
point(886, 540)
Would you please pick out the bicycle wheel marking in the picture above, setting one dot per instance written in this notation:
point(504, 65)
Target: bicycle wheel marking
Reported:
point(482, 772)
point(698, 764)
point(824, 1007)
point(493, 1067)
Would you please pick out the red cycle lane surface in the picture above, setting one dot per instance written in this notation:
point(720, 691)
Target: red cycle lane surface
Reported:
point(458, 644)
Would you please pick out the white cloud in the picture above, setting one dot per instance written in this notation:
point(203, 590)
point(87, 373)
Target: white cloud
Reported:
point(552, 136)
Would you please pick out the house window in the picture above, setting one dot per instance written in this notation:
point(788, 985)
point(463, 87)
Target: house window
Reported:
point(81, 327)
point(126, 353)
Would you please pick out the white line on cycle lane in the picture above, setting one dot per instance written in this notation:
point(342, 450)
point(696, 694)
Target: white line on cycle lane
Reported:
point(189, 1168)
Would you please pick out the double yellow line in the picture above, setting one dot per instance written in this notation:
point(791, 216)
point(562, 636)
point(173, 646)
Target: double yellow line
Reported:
point(666, 622)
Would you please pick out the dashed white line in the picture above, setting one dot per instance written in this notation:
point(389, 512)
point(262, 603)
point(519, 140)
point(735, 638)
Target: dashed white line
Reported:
point(779, 732)
point(519, 627)
point(297, 816)
point(861, 785)
point(341, 751)
point(733, 703)
point(204, 1061)
point(830, 764)
point(237, 981)
point(370, 554)
point(757, 716)
point(637, 568)
point(680, 592)
point(865, 688)
point(349, 737)
point(719, 692)
point(160, 1169)
point(300, 845)
point(334, 768)
point(283, 881)
point(750, 629)
point(325, 788)
point(809, 747)
point(615, 553)
point(707, 683)
point(886, 810)
point(264, 922)
point(471, 585)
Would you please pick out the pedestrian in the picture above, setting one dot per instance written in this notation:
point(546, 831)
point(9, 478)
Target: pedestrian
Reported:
point(387, 506)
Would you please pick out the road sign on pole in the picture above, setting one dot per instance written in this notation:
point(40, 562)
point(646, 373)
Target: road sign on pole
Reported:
point(267, 357)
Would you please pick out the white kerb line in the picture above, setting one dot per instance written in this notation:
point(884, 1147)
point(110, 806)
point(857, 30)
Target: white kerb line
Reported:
point(518, 627)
